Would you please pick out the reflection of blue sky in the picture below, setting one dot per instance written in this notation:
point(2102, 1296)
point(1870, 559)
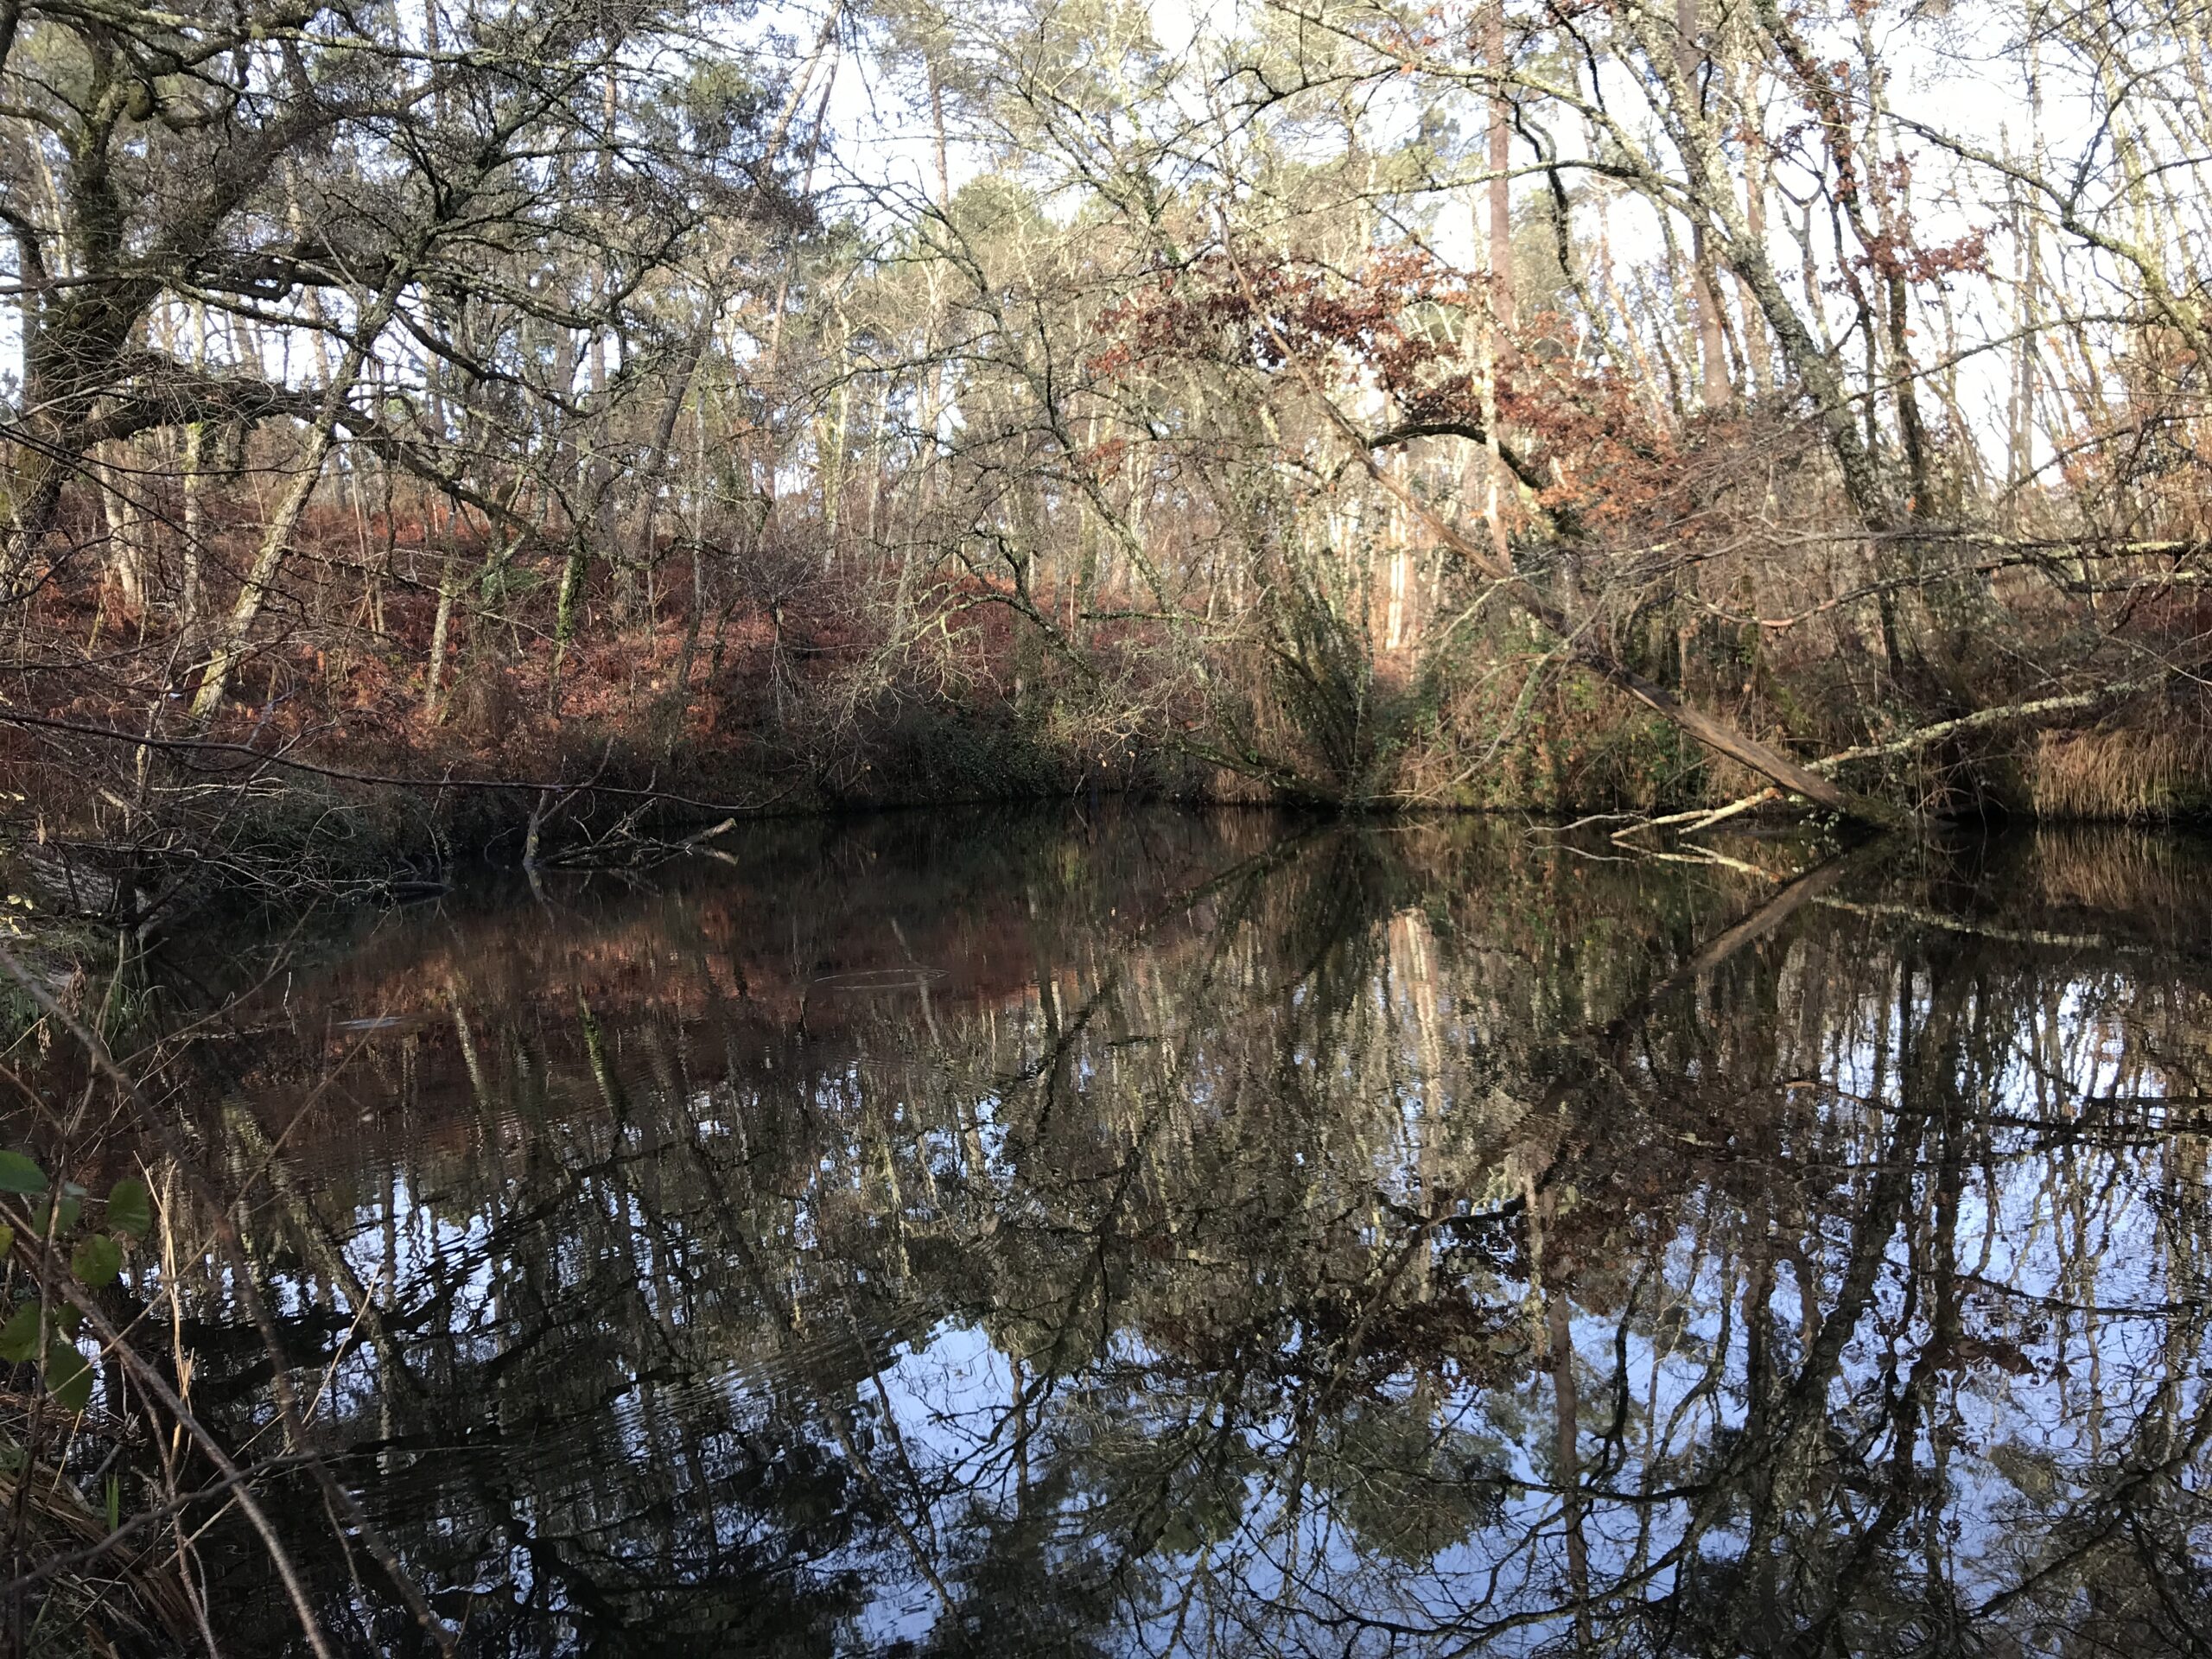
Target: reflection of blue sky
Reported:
point(948, 1395)
point(2065, 1247)
point(2049, 1414)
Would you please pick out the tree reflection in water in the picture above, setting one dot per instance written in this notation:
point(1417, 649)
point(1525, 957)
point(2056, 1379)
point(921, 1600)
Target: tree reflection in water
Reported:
point(1210, 1236)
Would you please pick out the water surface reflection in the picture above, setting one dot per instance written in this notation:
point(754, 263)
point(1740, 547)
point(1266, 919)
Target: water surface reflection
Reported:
point(1217, 1236)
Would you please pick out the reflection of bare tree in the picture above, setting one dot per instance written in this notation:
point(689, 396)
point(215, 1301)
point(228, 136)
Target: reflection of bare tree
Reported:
point(1431, 1245)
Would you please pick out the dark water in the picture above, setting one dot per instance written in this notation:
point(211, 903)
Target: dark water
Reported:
point(970, 1234)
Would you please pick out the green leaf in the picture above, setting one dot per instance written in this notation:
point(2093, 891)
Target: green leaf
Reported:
point(7, 1240)
point(19, 1337)
point(19, 1174)
point(68, 1378)
point(65, 1211)
point(96, 1261)
point(130, 1210)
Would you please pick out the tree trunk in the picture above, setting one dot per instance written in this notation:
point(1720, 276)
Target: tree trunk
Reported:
point(276, 539)
point(1704, 291)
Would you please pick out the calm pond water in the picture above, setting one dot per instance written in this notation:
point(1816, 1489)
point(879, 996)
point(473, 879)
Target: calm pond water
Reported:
point(986, 1233)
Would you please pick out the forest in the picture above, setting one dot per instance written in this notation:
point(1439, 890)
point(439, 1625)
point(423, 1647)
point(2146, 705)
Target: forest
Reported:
point(1460, 1060)
point(561, 428)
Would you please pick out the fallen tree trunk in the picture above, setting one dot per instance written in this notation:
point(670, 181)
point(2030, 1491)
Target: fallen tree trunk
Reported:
point(1921, 737)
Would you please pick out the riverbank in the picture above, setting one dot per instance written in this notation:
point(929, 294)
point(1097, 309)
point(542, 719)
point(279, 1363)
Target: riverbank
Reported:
point(331, 768)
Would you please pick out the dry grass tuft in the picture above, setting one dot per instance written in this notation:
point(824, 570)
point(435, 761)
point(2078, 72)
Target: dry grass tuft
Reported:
point(2123, 772)
point(108, 1588)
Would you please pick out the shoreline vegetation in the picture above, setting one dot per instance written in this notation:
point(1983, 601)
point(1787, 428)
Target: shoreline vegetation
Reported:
point(554, 436)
